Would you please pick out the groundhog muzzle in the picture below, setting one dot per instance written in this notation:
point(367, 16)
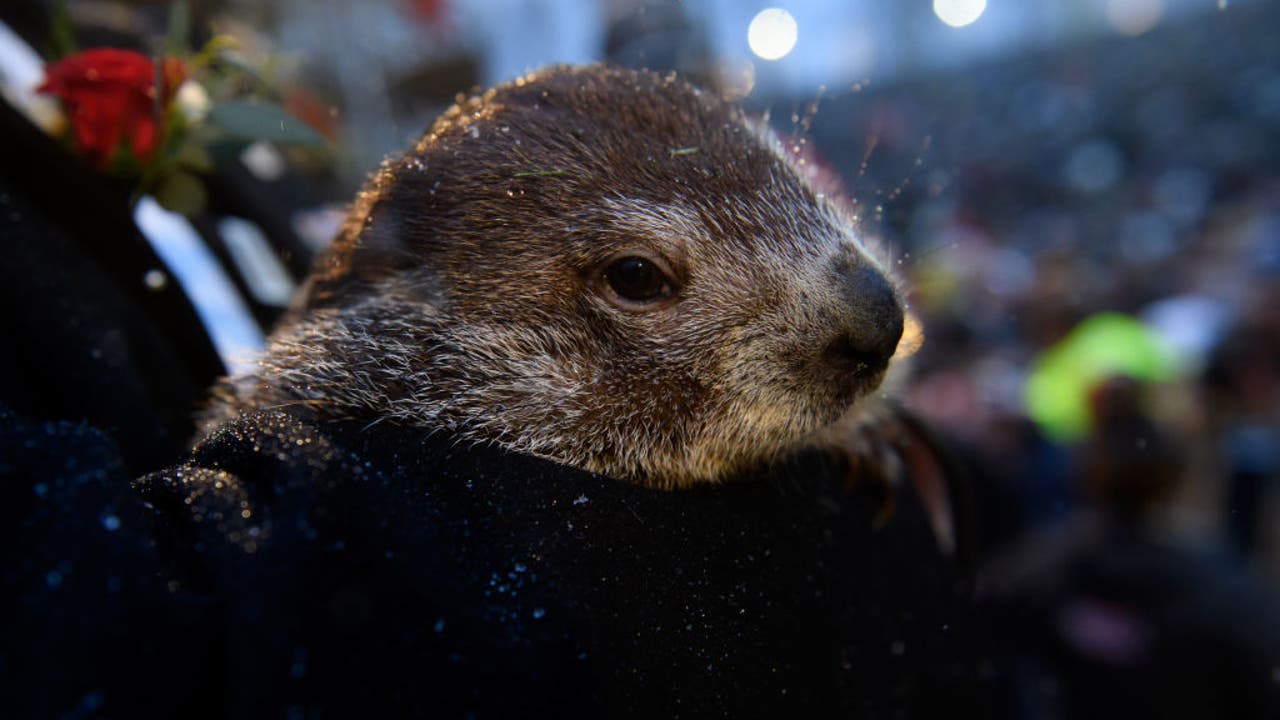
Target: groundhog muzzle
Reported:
point(604, 267)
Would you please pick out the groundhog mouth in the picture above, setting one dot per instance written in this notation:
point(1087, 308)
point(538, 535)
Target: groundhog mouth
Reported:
point(849, 388)
point(851, 370)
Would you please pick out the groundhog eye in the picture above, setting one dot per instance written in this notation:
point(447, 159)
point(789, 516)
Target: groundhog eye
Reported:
point(637, 280)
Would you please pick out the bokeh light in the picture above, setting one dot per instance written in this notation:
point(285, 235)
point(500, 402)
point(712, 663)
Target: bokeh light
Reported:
point(772, 34)
point(958, 13)
point(1134, 17)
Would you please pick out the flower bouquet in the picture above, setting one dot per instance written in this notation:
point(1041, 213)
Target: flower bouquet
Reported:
point(152, 122)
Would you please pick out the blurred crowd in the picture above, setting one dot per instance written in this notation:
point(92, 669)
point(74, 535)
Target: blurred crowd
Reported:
point(1130, 175)
point(1023, 200)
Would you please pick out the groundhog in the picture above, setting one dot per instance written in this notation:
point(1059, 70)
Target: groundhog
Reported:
point(608, 268)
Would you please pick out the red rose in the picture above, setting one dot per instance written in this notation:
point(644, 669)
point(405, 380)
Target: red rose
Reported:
point(110, 97)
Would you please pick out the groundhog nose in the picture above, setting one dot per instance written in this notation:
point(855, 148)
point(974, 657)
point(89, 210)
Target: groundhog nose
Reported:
point(873, 321)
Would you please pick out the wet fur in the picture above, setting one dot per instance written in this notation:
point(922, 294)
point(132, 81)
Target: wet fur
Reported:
point(462, 294)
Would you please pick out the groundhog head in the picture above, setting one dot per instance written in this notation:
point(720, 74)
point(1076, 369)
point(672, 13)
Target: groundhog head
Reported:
point(605, 267)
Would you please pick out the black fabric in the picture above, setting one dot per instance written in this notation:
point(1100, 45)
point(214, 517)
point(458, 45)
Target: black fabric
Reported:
point(333, 573)
point(91, 628)
point(84, 339)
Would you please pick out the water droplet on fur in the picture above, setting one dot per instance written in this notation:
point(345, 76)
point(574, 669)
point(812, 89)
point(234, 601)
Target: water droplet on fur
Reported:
point(110, 523)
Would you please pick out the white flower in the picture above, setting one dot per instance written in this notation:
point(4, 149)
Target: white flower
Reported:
point(193, 101)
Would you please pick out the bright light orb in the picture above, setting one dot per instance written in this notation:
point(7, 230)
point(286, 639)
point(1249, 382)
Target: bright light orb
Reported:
point(958, 13)
point(1134, 17)
point(772, 34)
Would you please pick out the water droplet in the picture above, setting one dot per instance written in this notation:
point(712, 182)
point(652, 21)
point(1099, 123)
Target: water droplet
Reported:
point(439, 626)
point(110, 523)
point(581, 500)
point(538, 613)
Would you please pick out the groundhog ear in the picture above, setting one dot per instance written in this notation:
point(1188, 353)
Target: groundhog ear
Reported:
point(370, 248)
point(380, 242)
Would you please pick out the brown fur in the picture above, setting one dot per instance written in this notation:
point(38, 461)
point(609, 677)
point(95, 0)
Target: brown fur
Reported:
point(464, 292)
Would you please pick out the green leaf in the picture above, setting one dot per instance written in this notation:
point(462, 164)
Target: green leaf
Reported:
point(179, 29)
point(213, 50)
point(61, 37)
point(253, 75)
point(193, 156)
point(262, 121)
point(181, 192)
